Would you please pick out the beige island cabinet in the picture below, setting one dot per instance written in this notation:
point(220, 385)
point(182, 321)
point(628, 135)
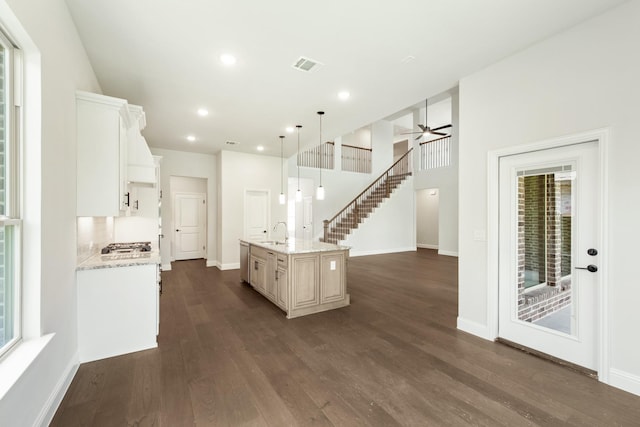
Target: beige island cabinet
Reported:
point(301, 277)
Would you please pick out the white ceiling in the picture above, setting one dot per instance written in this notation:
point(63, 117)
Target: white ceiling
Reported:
point(164, 55)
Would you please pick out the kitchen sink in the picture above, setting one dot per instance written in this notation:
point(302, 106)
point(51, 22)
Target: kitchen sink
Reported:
point(272, 242)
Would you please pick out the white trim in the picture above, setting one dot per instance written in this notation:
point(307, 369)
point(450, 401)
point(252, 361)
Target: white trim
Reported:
point(18, 361)
point(381, 251)
point(54, 400)
point(493, 181)
point(473, 328)
point(166, 267)
point(448, 253)
point(229, 266)
point(426, 246)
point(624, 380)
point(212, 263)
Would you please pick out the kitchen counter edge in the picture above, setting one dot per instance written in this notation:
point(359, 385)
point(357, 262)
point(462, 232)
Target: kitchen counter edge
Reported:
point(96, 262)
point(297, 246)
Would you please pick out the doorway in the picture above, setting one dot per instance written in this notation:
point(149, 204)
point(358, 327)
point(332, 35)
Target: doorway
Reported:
point(549, 240)
point(428, 218)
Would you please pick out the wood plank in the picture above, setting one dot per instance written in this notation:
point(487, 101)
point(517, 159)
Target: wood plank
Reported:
point(227, 356)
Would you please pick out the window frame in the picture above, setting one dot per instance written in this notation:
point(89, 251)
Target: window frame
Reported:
point(11, 217)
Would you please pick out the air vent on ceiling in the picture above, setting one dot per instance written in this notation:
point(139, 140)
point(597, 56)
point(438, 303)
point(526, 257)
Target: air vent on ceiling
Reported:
point(306, 64)
point(231, 143)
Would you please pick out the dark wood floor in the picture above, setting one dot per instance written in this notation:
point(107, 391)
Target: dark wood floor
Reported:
point(228, 357)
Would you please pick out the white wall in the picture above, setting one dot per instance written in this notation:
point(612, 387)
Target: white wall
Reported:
point(46, 32)
point(427, 210)
point(390, 228)
point(585, 78)
point(446, 180)
point(240, 172)
point(341, 187)
point(181, 163)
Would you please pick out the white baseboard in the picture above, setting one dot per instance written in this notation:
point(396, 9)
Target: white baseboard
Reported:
point(474, 328)
point(230, 266)
point(624, 381)
point(166, 267)
point(380, 251)
point(54, 400)
point(448, 253)
point(427, 246)
point(212, 263)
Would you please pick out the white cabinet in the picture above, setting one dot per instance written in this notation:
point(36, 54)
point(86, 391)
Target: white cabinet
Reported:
point(117, 311)
point(101, 129)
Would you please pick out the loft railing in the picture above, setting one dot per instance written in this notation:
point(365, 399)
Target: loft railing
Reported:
point(377, 191)
point(356, 159)
point(313, 158)
point(435, 153)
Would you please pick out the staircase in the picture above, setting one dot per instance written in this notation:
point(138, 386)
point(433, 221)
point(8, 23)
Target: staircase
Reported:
point(356, 211)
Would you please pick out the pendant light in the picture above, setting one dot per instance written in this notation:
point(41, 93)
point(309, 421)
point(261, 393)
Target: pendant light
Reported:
point(282, 198)
point(298, 192)
point(320, 189)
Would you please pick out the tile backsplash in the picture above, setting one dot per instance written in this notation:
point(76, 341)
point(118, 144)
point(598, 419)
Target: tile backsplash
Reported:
point(93, 234)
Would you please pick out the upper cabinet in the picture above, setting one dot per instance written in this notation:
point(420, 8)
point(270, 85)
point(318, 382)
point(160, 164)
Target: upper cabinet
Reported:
point(113, 155)
point(101, 123)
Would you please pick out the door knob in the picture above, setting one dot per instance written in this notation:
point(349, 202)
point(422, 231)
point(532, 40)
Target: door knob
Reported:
point(177, 229)
point(592, 268)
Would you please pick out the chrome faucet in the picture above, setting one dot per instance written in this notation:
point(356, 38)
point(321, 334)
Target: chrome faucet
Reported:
point(286, 230)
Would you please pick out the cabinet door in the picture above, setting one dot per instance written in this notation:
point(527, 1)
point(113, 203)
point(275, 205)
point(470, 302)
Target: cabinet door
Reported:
point(101, 154)
point(282, 287)
point(332, 277)
point(257, 274)
point(305, 277)
point(271, 283)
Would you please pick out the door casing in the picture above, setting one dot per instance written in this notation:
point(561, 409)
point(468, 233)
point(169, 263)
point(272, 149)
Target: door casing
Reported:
point(601, 136)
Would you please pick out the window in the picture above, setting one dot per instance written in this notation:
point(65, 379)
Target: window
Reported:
point(10, 221)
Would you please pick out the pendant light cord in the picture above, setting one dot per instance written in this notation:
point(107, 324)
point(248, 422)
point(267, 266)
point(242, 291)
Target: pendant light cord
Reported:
point(298, 155)
point(281, 164)
point(320, 113)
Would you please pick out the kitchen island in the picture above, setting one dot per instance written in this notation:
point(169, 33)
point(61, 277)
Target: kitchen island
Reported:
point(299, 276)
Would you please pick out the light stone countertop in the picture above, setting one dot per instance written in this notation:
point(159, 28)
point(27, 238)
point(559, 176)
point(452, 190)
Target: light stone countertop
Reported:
point(296, 246)
point(99, 261)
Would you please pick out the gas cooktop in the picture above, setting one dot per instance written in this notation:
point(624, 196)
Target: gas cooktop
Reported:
point(128, 250)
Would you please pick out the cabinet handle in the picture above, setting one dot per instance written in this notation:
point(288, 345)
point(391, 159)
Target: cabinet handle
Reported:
point(276, 275)
point(255, 265)
point(126, 203)
point(136, 205)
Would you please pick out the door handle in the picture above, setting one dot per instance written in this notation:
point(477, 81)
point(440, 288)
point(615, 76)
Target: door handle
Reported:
point(177, 229)
point(591, 268)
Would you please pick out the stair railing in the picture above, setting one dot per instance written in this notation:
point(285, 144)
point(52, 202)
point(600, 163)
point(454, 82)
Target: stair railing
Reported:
point(376, 191)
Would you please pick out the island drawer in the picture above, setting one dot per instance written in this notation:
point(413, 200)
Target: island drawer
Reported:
point(283, 260)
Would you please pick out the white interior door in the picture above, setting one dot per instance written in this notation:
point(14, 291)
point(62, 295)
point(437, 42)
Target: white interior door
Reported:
point(256, 214)
point(189, 222)
point(307, 218)
point(549, 225)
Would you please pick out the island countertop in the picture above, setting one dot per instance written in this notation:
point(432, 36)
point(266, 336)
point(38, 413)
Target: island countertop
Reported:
point(295, 246)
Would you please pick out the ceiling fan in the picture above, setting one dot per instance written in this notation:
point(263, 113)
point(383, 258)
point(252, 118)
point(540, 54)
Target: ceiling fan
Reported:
point(425, 129)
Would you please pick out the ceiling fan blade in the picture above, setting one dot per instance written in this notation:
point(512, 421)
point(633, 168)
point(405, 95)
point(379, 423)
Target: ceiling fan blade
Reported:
point(438, 133)
point(424, 128)
point(411, 133)
point(442, 127)
point(419, 137)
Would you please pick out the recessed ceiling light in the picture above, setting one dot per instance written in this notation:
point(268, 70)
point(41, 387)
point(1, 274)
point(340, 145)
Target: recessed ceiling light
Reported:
point(203, 112)
point(289, 129)
point(228, 59)
point(191, 138)
point(260, 148)
point(344, 95)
